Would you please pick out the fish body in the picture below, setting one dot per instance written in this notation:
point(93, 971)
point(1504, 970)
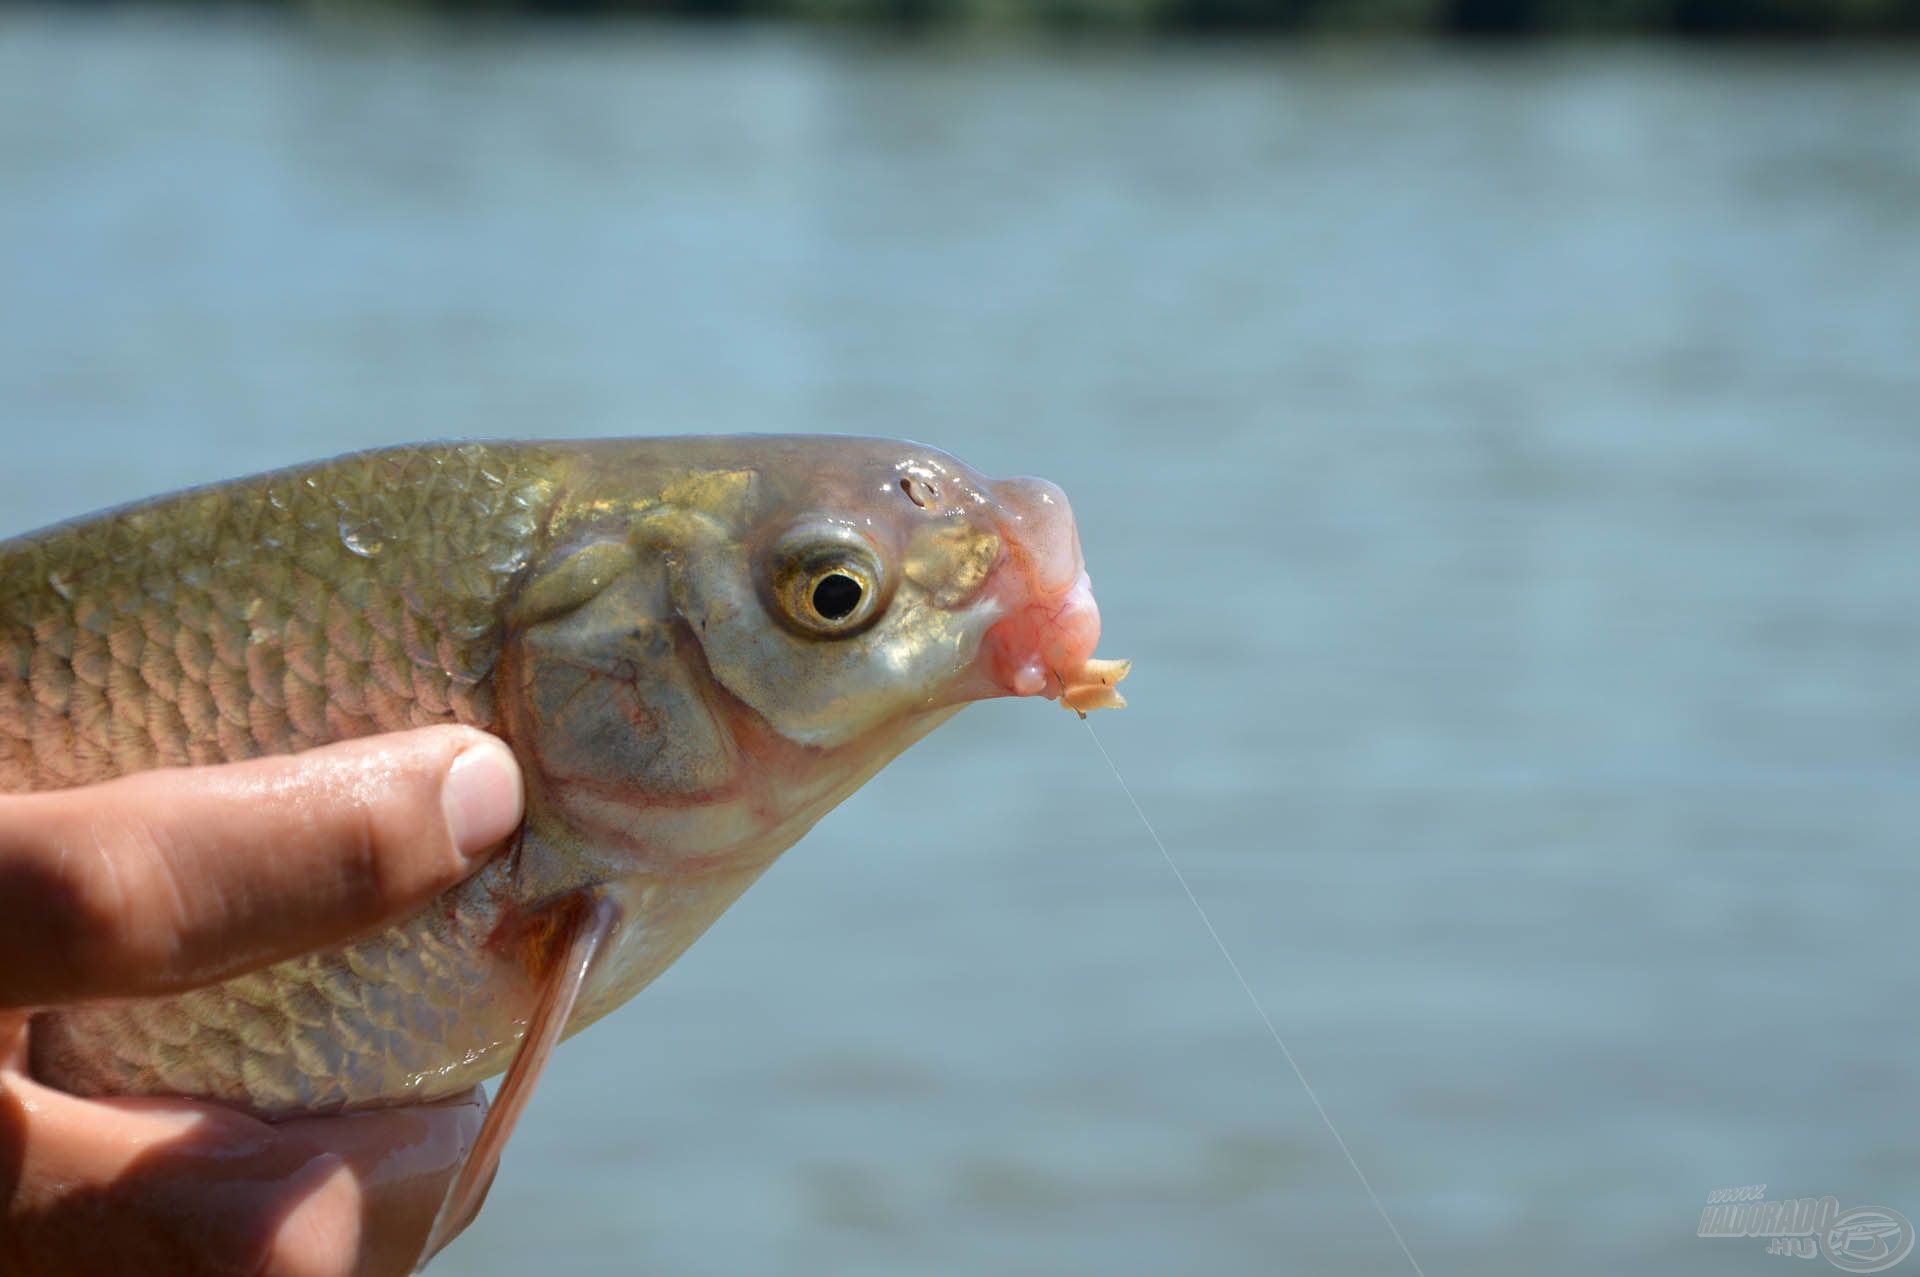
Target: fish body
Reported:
point(696, 647)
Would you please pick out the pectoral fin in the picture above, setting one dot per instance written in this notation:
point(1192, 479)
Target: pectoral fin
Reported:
point(584, 924)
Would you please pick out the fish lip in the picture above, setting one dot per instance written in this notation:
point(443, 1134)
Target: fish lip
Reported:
point(1042, 642)
point(1036, 524)
point(1042, 622)
point(1049, 623)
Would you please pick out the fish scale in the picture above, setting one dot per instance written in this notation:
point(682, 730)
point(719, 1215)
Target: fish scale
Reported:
point(235, 621)
point(696, 646)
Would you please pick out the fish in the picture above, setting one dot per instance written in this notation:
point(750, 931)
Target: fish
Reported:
point(695, 647)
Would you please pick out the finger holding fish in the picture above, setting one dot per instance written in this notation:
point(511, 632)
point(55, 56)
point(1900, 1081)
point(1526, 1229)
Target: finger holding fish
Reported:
point(157, 881)
point(161, 1187)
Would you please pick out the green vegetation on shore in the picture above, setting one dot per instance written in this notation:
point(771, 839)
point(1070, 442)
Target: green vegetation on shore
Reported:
point(1488, 18)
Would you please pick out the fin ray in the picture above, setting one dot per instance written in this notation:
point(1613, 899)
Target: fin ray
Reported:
point(583, 933)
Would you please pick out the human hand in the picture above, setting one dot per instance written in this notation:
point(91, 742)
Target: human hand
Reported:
point(164, 880)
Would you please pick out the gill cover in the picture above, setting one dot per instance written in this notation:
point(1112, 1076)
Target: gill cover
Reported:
point(607, 699)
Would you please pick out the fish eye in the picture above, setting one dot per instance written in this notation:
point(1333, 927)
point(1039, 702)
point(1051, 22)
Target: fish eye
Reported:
point(836, 595)
point(827, 580)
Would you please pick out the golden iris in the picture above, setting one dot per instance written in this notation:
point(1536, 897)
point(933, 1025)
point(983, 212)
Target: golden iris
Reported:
point(827, 580)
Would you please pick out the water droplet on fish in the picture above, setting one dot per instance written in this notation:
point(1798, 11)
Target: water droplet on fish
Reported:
point(59, 586)
point(365, 537)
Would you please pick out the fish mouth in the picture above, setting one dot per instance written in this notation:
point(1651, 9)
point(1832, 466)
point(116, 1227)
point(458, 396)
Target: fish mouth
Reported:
point(1043, 643)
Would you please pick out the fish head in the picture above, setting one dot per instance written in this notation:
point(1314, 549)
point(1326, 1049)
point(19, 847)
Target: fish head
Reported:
point(775, 618)
point(887, 581)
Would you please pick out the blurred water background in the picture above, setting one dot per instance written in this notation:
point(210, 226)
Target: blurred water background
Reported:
point(1501, 462)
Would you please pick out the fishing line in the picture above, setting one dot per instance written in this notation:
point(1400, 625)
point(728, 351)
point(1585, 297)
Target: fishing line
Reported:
point(1254, 998)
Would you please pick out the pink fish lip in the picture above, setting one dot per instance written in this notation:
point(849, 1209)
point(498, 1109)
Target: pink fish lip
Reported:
point(1043, 642)
point(1037, 524)
point(1049, 623)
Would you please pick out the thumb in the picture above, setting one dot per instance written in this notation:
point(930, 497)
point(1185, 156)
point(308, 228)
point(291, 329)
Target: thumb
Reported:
point(167, 879)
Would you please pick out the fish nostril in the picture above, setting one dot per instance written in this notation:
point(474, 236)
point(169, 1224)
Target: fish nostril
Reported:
point(920, 490)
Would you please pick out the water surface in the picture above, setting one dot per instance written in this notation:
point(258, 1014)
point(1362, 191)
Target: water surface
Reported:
point(1502, 469)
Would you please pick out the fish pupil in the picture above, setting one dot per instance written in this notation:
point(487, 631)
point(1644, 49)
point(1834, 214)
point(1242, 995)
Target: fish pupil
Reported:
point(836, 595)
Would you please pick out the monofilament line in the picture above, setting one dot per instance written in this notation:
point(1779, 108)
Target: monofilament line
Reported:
point(1258, 1007)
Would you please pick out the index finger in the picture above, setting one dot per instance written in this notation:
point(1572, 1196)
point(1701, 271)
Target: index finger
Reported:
point(167, 879)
